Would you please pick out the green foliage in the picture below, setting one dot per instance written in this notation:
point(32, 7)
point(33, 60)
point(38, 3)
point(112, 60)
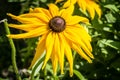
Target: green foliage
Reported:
point(79, 75)
point(105, 34)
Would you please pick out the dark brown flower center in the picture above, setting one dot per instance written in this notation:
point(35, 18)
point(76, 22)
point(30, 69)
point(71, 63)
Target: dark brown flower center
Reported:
point(57, 24)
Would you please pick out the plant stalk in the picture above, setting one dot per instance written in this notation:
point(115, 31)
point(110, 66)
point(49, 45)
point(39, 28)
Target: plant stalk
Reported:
point(13, 51)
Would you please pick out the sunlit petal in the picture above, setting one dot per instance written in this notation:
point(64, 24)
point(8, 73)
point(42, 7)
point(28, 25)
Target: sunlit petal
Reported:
point(67, 13)
point(54, 60)
point(24, 20)
point(81, 53)
point(49, 47)
point(76, 19)
point(39, 50)
point(40, 16)
point(68, 54)
point(62, 48)
point(67, 3)
point(53, 9)
point(26, 27)
point(58, 51)
point(82, 4)
point(30, 34)
point(58, 1)
point(42, 10)
point(91, 11)
point(86, 5)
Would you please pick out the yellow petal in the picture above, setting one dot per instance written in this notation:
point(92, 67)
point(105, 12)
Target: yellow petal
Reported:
point(94, 7)
point(54, 57)
point(68, 54)
point(76, 19)
point(85, 37)
point(80, 39)
point(81, 53)
point(24, 20)
point(82, 4)
point(33, 33)
point(49, 47)
point(30, 10)
point(91, 11)
point(79, 30)
point(53, 10)
point(87, 43)
point(39, 50)
point(86, 49)
point(44, 11)
point(40, 16)
point(57, 1)
point(58, 52)
point(98, 10)
point(73, 1)
point(79, 35)
point(62, 48)
point(67, 4)
point(25, 27)
point(54, 60)
point(72, 37)
point(67, 13)
point(61, 12)
point(90, 6)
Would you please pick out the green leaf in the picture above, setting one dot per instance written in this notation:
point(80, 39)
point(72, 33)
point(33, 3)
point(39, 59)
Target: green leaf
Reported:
point(43, 1)
point(16, 0)
point(79, 75)
point(112, 7)
point(111, 43)
point(3, 79)
point(110, 18)
point(37, 67)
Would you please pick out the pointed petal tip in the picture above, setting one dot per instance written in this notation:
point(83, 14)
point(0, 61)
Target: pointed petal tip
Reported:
point(54, 73)
point(8, 36)
point(57, 1)
point(51, 4)
point(12, 16)
point(62, 72)
point(71, 71)
point(9, 14)
point(89, 61)
point(92, 57)
point(71, 74)
point(30, 10)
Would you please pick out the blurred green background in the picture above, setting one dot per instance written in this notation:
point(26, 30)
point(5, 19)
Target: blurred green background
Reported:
point(105, 35)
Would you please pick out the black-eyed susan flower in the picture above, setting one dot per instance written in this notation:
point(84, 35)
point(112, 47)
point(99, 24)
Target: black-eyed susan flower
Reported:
point(86, 5)
point(60, 32)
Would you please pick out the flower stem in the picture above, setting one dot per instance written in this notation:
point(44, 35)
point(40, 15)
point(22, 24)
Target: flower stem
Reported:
point(13, 50)
point(45, 74)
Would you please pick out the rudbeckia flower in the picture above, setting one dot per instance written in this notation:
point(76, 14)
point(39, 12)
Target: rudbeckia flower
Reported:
point(90, 5)
point(59, 33)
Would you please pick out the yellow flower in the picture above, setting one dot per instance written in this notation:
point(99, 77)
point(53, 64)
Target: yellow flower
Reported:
point(90, 5)
point(60, 33)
